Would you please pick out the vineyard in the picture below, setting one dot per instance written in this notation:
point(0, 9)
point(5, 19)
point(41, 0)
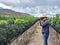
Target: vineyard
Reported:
point(13, 26)
point(55, 22)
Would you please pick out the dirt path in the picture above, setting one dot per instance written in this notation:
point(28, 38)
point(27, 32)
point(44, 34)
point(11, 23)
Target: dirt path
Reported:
point(37, 38)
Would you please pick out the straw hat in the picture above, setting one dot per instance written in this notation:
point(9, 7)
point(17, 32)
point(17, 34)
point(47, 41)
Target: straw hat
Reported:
point(43, 15)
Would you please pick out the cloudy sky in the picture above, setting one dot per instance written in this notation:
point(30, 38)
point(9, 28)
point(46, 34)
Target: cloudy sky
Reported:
point(33, 7)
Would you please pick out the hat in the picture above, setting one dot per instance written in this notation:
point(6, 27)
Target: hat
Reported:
point(43, 15)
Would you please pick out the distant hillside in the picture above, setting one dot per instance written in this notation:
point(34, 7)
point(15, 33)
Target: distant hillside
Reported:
point(11, 12)
point(1, 8)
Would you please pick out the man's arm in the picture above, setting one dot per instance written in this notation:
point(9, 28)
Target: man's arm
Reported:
point(45, 23)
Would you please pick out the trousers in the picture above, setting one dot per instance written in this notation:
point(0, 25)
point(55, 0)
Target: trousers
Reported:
point(45, 38)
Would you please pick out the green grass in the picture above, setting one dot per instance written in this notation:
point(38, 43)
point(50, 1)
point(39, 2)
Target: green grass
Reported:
point(55, 22)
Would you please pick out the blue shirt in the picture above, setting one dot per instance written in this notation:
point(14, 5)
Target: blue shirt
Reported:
point(45, 26)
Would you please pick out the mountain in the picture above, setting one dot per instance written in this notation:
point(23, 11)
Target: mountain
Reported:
point(1, 8)
point(11, 12)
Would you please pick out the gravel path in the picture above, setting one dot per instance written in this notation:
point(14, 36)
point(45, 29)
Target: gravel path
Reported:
point(37, 38)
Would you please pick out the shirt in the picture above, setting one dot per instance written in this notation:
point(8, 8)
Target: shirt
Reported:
point(45, 26)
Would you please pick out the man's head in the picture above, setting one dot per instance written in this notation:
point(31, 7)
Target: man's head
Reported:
point(44, 17)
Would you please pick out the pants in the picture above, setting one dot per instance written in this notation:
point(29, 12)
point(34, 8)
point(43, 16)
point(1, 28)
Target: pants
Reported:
point(45, 38)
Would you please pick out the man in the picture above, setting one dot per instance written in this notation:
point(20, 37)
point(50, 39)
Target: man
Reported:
point(45, 28)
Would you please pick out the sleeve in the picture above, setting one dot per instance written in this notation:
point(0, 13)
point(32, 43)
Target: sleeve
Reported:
point(45, 23)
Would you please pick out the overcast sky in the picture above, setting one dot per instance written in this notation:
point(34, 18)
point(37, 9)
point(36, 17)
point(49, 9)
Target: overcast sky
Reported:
point(33, 7)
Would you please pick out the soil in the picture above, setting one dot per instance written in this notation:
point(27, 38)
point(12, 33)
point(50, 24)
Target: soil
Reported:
point(38, 39)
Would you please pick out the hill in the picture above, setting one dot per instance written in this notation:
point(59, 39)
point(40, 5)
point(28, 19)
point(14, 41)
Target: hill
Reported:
point(11, 12)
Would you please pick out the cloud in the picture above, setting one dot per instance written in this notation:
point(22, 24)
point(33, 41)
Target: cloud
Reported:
point(4, 6)
point(34, 7)
point(38, 10)
point(30, 3)
point(18, 3)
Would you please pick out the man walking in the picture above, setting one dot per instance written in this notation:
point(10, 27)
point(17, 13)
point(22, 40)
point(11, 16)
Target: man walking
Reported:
point(45, 28)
